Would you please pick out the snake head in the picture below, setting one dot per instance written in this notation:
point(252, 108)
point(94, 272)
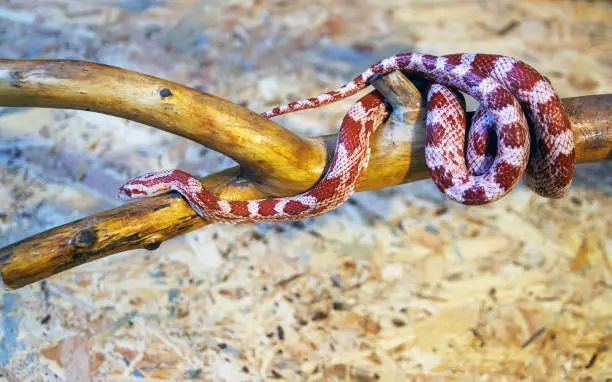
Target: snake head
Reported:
point(150, 184)
point(130, 191)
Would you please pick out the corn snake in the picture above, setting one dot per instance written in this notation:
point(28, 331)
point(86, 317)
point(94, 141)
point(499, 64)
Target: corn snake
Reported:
point(509, 92)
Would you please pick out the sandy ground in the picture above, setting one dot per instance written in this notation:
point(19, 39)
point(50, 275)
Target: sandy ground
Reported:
point(398, 284)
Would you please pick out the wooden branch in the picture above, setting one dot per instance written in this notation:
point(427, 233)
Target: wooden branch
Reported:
point(261, 146)
point(274, 161)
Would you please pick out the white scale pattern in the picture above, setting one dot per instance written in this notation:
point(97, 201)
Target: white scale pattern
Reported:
point(541, 92)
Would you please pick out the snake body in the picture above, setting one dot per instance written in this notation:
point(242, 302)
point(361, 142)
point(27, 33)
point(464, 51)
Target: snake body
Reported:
point(510, 93)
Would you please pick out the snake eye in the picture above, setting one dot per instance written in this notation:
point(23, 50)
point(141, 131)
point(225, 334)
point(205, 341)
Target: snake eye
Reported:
point(124, 193)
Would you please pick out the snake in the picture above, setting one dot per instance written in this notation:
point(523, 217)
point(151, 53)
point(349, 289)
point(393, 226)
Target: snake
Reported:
point(519, 128)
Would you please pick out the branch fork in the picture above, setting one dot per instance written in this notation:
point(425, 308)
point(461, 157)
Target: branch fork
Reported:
point(273, 160)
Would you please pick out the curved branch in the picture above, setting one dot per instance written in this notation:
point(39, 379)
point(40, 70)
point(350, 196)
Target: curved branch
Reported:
point(292, 165)
point(264, 148)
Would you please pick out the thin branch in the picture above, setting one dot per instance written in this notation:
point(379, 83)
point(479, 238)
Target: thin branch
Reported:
point(274, 161)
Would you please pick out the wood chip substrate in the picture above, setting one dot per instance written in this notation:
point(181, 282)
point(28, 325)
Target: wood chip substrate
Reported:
point(397, 284)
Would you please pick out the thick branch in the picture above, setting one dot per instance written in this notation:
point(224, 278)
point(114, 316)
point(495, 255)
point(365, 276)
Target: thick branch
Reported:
point(397, 156)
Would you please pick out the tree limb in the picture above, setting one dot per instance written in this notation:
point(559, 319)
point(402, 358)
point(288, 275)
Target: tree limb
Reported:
point(274, 161)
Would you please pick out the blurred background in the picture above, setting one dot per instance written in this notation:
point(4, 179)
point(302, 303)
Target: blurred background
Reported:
point(397, 284)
